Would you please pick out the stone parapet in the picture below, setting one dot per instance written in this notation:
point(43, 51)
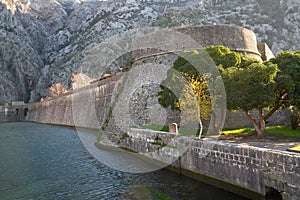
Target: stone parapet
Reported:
point(259, 170)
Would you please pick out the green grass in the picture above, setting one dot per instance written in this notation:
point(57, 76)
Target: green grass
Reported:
point(238, 131)
point(162, 196)
point(283, 132)
point(295, 148)
point(275, 132)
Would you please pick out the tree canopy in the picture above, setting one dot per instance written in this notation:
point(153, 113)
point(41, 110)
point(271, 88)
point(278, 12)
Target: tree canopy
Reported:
point(186, 90)
point(180, 80)
point(288, 80)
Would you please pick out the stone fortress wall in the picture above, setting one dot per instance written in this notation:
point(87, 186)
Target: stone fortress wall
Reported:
point(235, 38)
point(86, 107)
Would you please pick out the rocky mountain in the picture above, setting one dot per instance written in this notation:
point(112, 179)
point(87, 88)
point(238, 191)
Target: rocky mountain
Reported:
point(43, 41)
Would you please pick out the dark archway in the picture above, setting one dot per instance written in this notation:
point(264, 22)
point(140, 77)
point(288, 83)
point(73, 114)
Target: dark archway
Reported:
point(273, 194)
point(17, 111)
point(25, 112)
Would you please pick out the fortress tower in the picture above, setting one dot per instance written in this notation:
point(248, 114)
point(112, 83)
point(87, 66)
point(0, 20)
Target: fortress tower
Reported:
point(236, 38)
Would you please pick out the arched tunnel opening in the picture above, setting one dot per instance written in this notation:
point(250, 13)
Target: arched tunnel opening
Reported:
point(272, 194)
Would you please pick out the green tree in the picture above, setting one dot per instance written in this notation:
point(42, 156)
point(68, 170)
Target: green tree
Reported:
point(288, 83)
point(186, 90)
point(249, 84)
point(251, 88)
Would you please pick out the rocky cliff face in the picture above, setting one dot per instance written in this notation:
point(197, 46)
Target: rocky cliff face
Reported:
point(43, 41)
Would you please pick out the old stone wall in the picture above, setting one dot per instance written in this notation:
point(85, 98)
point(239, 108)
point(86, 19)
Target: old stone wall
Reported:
point(86, 107)
point(238, 119)
point(144, 107)
point(255, 169)
point(265, 51)
point(7, 116)
point(52, 111)
point(236, 38)
point(89, 107)
point(251, 168)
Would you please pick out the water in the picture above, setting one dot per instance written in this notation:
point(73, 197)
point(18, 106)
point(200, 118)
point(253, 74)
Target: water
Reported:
point(50, 162)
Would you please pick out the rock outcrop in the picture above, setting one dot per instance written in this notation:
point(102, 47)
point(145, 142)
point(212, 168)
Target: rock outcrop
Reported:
point(43, 42)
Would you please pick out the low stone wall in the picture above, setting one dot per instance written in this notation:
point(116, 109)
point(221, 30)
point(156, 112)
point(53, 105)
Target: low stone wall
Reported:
point(237, 167)
point(256, 169)
point(148, 135)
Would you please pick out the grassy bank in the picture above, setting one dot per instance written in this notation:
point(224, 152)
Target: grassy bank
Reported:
point(272, 132)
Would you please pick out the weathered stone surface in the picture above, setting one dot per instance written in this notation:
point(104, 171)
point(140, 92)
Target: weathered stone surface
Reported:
point(86, 107)
point(252, 168)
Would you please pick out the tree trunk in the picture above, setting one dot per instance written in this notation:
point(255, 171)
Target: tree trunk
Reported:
point(294, 118)
point(260, 129)
point(217, 122)
point(258, 125)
